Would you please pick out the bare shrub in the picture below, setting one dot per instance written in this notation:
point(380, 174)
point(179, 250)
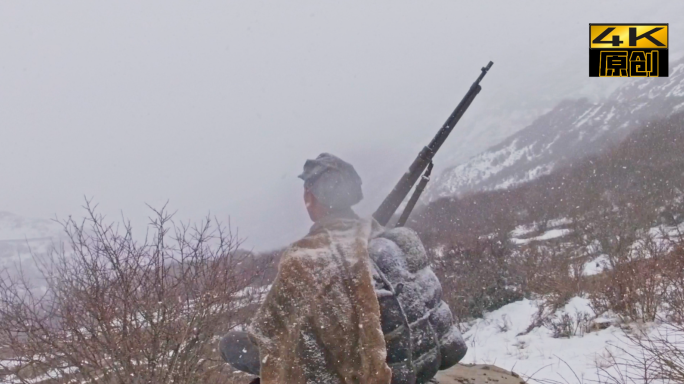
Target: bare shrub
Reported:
point(632, 283)
point(634, 286)
point(567, 325)
point(645, 355)
point(663, 352)
point(654, 353)
point(504, 325)
point(477, 276)
point(673, 273)
point(483, 274)
point(546, 271)
point(115, 310)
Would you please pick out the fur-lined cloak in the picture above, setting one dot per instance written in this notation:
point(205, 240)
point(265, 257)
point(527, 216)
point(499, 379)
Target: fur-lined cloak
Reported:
point(320, 322)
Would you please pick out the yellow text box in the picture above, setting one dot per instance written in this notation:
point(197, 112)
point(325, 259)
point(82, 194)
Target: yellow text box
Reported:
point(625, 36)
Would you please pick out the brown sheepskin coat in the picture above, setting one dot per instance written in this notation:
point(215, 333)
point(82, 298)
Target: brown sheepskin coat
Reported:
point(320, 322)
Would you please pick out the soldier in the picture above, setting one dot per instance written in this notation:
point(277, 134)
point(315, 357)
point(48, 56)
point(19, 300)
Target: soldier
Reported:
point(352, 301)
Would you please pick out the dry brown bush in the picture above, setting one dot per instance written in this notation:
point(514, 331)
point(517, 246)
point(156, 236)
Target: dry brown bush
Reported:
point(673, 272)
point(546, 271)
point(634, 285)
point(115, 310)
point(550, 275)
point(476, 276)
point(654, 352)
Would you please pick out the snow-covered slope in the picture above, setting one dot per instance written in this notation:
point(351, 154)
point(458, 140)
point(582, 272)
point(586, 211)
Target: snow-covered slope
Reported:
point(21, 237)
point(500, 339)
point(570, 131)
point(14, 227)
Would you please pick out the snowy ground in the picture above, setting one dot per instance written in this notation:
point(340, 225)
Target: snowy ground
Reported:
point(496, 340)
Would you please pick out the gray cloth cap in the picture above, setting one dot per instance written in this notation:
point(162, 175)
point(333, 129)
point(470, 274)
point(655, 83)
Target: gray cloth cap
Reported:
point(333, 181)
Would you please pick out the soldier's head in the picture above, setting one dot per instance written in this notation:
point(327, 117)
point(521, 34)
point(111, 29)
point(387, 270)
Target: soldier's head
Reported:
point(331, 185)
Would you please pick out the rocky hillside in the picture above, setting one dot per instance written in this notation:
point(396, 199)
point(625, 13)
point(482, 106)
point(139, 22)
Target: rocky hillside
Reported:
point(571, 131)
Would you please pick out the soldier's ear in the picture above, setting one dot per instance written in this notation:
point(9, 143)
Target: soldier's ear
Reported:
point(309, 197)
point(313, 208)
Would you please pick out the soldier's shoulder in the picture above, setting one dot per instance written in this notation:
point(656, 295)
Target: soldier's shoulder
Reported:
point(306, 251)
point(311, 241)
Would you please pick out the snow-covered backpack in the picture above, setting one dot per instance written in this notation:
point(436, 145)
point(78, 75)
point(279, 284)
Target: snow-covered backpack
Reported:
point(419, 329)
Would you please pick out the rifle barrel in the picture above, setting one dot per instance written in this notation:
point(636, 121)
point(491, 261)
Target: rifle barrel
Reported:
point(408, 179)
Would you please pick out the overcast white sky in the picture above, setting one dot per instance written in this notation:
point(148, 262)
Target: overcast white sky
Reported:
point(215, 105)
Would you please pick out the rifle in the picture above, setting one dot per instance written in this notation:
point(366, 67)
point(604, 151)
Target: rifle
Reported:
point(386, 210)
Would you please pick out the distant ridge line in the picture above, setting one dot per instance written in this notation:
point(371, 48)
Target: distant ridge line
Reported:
point(29, 239)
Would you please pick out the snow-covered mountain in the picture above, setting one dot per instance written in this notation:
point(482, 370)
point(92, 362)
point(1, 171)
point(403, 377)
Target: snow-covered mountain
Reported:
point(17, 228)
point(22, 237)
point(570, 131)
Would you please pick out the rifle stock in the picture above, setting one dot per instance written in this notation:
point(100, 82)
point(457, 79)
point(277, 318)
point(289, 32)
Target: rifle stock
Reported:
point(403, 187)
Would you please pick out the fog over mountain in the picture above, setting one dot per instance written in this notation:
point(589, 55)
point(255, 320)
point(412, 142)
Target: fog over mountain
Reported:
point(22, 238)
point(216, 106)
point(572, 130)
